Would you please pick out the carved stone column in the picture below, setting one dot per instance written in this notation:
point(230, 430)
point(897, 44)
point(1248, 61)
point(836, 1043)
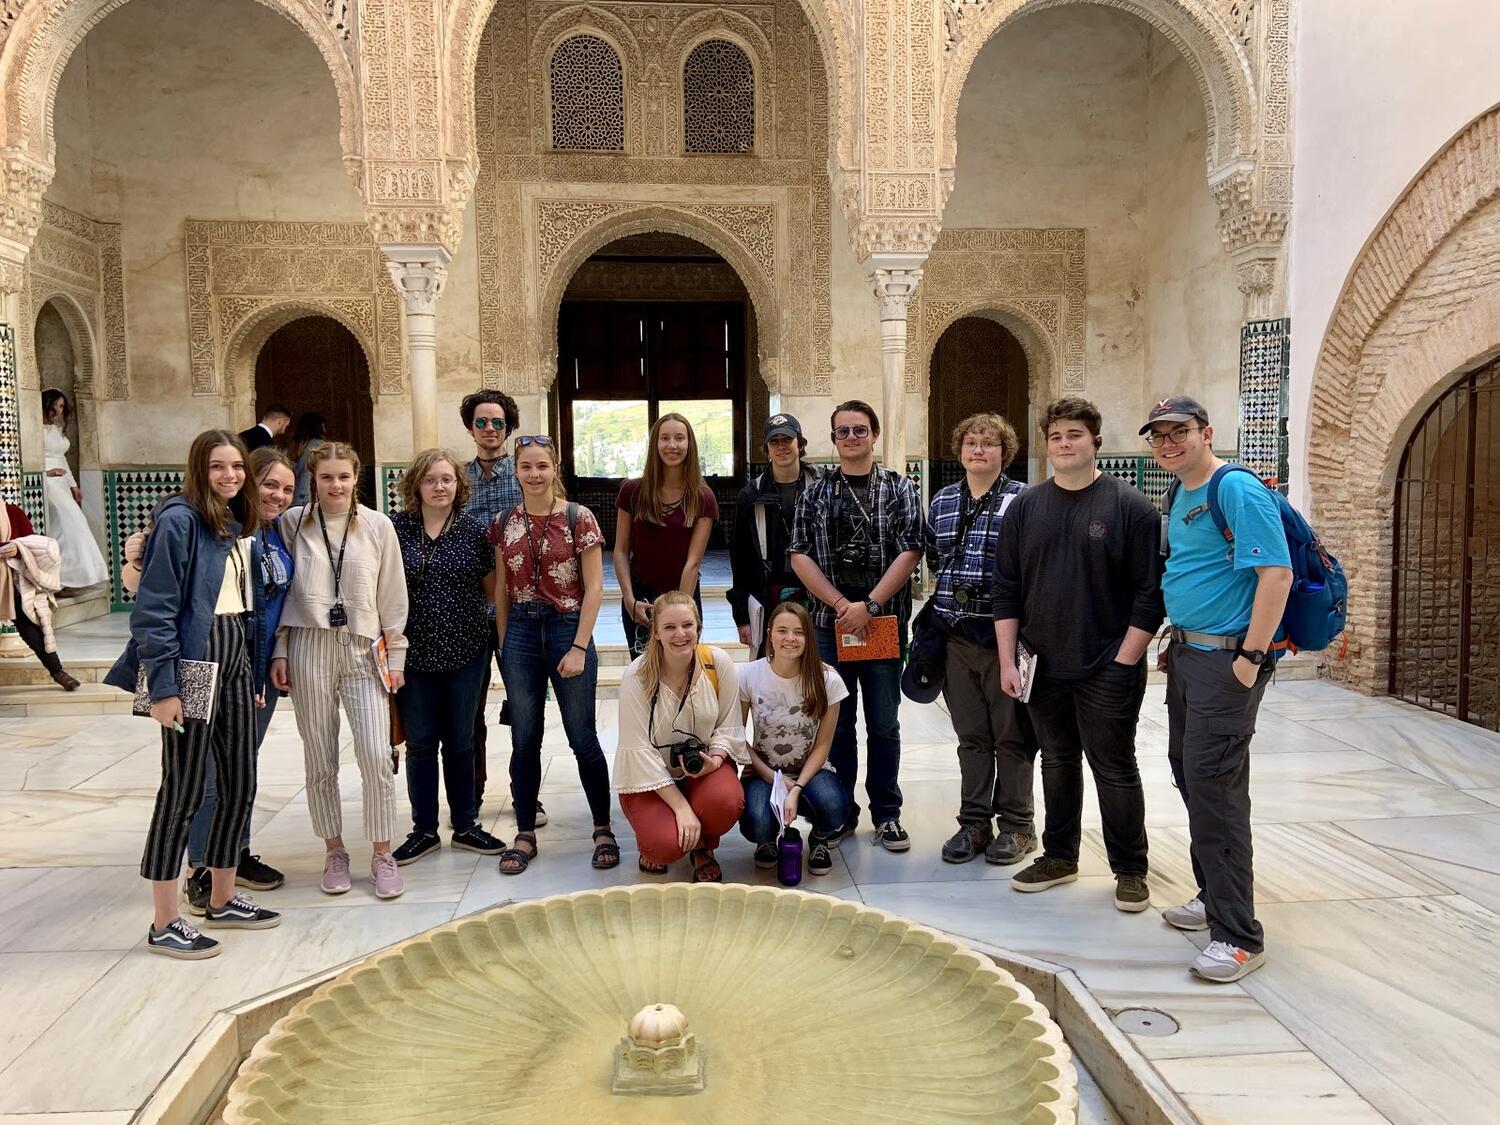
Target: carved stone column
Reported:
point(419, 272)
point(895, 277)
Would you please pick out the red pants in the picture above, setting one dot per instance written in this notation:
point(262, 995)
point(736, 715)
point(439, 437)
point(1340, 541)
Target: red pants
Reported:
point(717, 801)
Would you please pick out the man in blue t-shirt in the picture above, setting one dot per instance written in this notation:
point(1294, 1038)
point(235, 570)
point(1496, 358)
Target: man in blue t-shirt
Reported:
point(1225, 600)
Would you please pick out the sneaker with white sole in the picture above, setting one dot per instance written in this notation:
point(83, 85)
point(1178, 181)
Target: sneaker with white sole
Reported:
point(180, 940)
point(891, 836)
point(1044, 873)
point(1221, 962)
point(476, 839)
point(1132, 895)
point(195, 891)
point(1191, 915)
point(765, 856)
point(335, 872)
point(239, 913)
point(388, 881)
point(819, 858)
point(415, 846)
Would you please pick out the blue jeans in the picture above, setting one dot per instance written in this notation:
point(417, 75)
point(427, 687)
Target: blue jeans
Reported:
point(822, 801)
point(203, 819)
point(537, 637)
point(437, 709)
point(881, 681)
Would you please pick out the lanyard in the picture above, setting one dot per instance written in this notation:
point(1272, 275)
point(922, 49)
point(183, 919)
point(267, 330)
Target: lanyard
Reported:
point(239, 574)
point(532, 546)
point(681, 703)
point(970, 517)
point(428, 546)
point(338, 567)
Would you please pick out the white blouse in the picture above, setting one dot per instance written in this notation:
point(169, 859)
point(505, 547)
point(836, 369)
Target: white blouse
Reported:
point(713, 718)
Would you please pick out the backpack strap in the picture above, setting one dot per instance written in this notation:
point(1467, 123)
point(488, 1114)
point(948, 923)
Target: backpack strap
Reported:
point(1214, 510)
point(1167, 500)
point(760, 529)
point(706, 661)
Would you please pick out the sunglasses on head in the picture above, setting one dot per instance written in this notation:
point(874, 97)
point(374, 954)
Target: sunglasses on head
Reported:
point(533, 439)
point(491, 423)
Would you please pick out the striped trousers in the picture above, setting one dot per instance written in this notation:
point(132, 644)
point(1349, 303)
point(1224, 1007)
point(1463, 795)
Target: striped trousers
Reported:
point(328, 667)
point(230, 737)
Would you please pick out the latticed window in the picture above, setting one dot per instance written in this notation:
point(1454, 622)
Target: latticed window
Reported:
point(588, 95)
point(718, 99)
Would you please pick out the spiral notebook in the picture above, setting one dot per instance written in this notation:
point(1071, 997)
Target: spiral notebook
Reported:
point(197, 685)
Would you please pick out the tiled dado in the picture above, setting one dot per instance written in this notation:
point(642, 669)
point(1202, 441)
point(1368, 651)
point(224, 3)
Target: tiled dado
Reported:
point(129, 497)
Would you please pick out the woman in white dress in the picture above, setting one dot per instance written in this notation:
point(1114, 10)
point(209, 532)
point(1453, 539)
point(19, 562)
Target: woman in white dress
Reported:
point(82, 564)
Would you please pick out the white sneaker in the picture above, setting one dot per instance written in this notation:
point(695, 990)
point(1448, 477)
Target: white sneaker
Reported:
point(1221, 962)
point(1189, 916)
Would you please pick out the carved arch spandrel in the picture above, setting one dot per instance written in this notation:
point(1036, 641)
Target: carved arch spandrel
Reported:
point(1216, 58)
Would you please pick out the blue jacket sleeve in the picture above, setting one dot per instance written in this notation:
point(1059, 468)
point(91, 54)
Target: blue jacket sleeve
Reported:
point(161, 598)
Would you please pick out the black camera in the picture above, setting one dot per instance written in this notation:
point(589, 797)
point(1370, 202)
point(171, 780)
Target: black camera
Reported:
point(852, 567)
point(338, 617)
point(687, 755)
point(964, 594)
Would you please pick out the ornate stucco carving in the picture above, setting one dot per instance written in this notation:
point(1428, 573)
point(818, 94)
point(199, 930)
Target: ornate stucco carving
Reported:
point(239, 271)
point(1035, 277)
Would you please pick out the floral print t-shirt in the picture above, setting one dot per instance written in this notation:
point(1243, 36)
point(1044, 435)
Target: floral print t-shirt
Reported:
point(784, 732)
point(542, 561)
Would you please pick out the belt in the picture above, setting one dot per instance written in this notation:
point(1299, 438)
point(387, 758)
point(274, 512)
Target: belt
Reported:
point(1209, 640)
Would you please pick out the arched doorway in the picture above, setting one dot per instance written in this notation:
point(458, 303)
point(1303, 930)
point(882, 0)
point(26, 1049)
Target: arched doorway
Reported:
point(57, 367)
point(977, 365)
point(1445, 605)
point(649, 324)
point(316, 365)
point(64, 355)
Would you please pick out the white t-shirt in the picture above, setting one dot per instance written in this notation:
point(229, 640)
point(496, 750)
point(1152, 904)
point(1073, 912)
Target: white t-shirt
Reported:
point(783, 734)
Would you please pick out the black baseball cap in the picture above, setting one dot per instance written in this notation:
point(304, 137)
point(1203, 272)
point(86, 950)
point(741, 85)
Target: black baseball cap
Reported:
point(781, 425)
point(1178, 408)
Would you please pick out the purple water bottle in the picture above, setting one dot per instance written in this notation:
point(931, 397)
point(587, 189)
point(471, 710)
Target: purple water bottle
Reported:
point(789, 858)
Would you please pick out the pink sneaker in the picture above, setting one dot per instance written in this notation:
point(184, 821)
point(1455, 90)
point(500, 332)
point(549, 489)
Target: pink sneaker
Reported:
point(388, 883)
point(335, 872)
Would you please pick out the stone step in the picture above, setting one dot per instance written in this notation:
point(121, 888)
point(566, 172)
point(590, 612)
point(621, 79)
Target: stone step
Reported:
point(41, 697)
point(81, 607)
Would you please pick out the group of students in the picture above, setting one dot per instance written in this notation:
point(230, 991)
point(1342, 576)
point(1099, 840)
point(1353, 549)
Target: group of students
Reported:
point(340, 605)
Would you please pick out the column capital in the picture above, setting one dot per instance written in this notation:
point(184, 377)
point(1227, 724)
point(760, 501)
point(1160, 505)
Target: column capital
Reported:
point(419, 272)
point(894, 277)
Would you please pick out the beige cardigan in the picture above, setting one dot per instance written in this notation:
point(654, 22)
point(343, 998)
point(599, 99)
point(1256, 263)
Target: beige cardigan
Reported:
point(373, 585)
point(714, 718)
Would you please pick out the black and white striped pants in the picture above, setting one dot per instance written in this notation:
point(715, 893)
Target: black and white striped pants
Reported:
point(230, 737)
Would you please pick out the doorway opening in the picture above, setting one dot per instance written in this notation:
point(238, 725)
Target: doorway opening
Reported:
point(1445, 585)
point(977, 366)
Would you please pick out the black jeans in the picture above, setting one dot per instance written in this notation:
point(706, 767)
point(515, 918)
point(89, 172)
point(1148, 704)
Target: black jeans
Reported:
point(435, 709)
point(996, 744)
point(32, 634)
point(1210, 719)
point(1093, 718)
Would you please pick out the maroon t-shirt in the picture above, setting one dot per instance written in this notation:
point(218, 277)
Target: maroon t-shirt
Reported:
point(659, 551)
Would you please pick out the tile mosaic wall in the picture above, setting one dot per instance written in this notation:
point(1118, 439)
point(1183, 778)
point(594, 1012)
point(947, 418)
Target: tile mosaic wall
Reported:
point(1265, 358)
point(129, 496)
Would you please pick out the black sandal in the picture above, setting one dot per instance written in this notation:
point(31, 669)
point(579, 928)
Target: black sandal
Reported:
point(649, 868)
point(606, 851)
point(706, 868)
point(518, 857)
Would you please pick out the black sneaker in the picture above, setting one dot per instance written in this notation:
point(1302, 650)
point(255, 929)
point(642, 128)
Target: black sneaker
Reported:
point(1131, 893)
point(180, 940)
point(765, 856)
point(891, 836)
point(1043, 873)
point(966, 843)
point(1010, 847)
point(819, 858)
point(195, 891)
point(837, 837)
point(415, 847)
point(258, 876)
point(473, 839)
point(541, 815)
point(239, 913)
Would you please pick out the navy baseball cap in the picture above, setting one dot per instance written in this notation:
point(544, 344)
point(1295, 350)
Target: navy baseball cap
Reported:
point(922, 678)
point(1178, 408)
point(781, 425)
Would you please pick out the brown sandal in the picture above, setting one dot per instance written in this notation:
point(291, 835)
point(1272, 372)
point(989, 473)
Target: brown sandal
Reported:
point(518, 858)
point(606, 850)
point(649, 868)
point(706, 868)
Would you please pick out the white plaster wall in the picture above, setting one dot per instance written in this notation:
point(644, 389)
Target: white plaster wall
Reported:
point(1194, 310)
point(1376, 99)
point(73, 127)
point(229, 117)
point(854, 349)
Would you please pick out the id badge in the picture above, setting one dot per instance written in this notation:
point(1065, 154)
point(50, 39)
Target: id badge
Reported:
point(337, 616)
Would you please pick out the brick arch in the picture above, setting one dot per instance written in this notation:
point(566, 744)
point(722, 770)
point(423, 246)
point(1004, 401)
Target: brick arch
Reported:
point(1401, 332)
point(1216, 59)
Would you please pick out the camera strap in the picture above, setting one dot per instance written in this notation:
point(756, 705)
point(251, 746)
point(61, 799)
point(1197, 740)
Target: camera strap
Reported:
point(338, 567)
point(983, 504)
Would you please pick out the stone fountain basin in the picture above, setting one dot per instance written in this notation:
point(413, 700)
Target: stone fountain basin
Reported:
point(804, 1006)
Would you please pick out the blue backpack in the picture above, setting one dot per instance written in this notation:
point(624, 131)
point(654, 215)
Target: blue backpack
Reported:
point(1317, 608)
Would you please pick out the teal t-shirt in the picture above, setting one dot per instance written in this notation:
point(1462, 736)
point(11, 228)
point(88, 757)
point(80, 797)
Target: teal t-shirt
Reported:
point(1209, 586)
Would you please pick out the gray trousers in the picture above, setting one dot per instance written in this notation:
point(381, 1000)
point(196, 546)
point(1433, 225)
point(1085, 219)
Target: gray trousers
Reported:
point(996, 747)
point(1210, 719)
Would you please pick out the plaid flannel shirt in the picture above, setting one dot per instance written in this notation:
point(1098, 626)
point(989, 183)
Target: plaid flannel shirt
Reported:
point(896, 527)
point(493, 497)
point(974, 564)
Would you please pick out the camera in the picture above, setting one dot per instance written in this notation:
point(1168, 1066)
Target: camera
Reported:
point(338, 617)
point(964, 594)
point(852, 567)
point(687, 755)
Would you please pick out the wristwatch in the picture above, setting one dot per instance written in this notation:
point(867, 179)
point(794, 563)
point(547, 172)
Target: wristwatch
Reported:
point(1257, 656)
point(874, 607)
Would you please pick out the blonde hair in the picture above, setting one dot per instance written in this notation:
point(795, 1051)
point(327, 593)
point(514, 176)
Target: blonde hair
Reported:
point(421, 465)
point(994, 425)
point(648, 502)
point(651, 659)
point(554, 455)
point(331, 451)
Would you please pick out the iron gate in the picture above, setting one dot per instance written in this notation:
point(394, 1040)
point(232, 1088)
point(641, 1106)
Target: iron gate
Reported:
point(1445, 588)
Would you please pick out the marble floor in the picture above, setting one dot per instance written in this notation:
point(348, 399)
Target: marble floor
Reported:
point(1378, 864)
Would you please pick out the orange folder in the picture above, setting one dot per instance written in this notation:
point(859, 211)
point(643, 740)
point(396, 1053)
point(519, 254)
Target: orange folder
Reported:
point(882, 641)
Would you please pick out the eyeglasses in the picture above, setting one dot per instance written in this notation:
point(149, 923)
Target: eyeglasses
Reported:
point(439, 482)
point(841, 433)
point(983, 446)
point(491, 423)
point(534, 439)
point(1156, 438)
